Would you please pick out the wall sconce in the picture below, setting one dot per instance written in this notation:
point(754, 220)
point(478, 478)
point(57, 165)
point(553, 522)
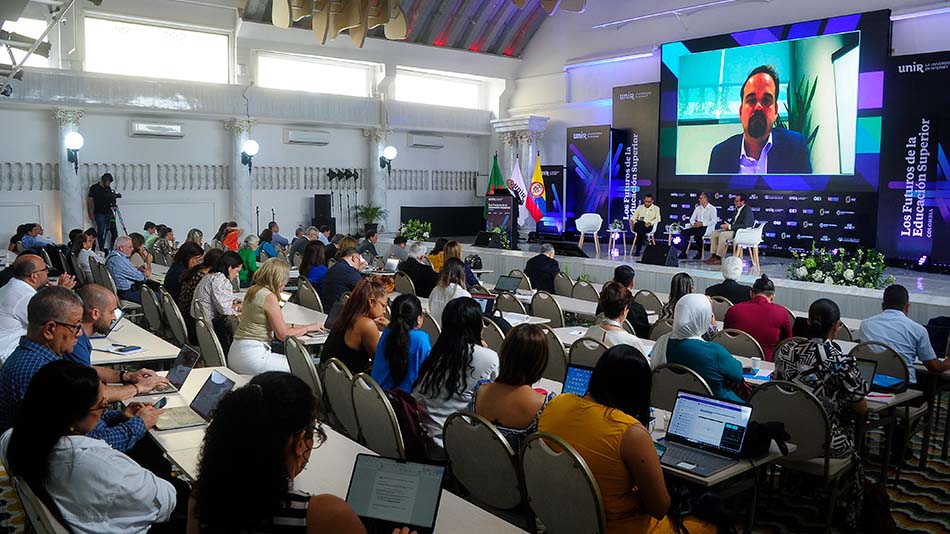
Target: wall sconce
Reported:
point(385, 161)
point(74, 142)
point(249, 149)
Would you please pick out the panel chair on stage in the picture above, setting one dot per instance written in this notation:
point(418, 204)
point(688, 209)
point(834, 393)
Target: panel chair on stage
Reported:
point(589, 223)
point(749, 238)
point(701, 241)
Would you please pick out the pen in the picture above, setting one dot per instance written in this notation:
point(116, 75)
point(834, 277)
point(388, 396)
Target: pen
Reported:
point(119, 345)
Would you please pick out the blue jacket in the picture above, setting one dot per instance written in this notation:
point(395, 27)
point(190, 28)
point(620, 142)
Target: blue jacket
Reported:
point(788, 155)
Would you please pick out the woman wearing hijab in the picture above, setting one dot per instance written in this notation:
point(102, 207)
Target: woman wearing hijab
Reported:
point(685, 346)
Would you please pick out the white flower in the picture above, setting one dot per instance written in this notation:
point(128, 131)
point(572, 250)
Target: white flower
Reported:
point(829, 280)
point(818, 275)
point(848, 274)
point(801, 272)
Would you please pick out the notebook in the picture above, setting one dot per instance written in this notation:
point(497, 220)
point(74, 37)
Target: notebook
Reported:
point(705, 434)
point(878, 381)
point(487, 303)
point(199, 412)
point(388, 494)
point(577, 379)
point(181, 368)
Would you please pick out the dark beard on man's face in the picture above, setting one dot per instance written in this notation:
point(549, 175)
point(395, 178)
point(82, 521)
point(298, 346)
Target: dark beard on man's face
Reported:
point(757, 125)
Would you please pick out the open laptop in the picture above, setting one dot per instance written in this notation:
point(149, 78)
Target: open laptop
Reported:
point(705, 434)
point(388, 494)
point(487, 302)
point(577, 379)
point(184, 363)
point(392, 265)
point(879, 382)
point(119, 314)
point(199, 412)
point(507, 284)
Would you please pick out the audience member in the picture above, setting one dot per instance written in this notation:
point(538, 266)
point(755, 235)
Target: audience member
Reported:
point(332, 251)
point(190, 281)
point(766, 322)
point(82, 250)
point(248, 253)
point(685, 346)
point(402, 346)
point(55, 324)
point(91, 486)
point(437, 256)
point(342, 277)
point(453, 249)
point(265, 249)
point(636, 313)
point(33, 238)
point(151, 234)
point(344, 243)
point(269, 428)
point(232, 235)
point(542, 269)
point(140, 255)
point(15, 240)
point(510, 402)
point(99, 203)
point(277, 239)
point(423, 277)
point(195, 236)
point(298, 233)
point(901, 333)
point(188, 256)
point(680, 285)
point(451, 286)
point(297, 247)
point(165, 244)
point(214, 296)
point(643, 221)
point(29, 275)
point(324, 235)
point(614, 304)
point(458, 360)
point(262, 320)
point(729, 287)
point(313, 264)
point(127, 278)
point(354, 337)
point(398, 248)
point(369, 244)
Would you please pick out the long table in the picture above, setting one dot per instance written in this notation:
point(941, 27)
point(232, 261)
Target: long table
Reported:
point(129, 333)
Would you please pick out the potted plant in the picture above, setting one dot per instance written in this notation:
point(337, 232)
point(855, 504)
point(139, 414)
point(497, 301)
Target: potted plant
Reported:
point(370, 215)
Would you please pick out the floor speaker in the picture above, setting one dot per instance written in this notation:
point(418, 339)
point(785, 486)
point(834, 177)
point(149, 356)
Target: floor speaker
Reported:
point(569, 250)
point(322, 207)
point(661, 255)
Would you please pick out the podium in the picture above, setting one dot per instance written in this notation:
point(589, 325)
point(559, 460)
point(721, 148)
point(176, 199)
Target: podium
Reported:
point(503, 213)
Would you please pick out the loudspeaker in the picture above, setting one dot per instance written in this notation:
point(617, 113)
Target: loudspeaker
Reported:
point(322, 207)
point(568, 249)
point(661, 255)
point(483, 239)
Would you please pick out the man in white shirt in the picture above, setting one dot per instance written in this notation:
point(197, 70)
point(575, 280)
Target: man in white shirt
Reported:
point(643, 220)
point(324, 235)
point(30, 273)
point(704, 216)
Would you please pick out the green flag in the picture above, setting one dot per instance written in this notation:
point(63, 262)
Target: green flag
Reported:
point(494, 182)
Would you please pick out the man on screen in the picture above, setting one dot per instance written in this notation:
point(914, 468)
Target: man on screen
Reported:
point(760, 148)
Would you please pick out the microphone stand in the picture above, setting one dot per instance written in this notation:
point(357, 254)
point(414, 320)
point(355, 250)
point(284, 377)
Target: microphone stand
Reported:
point(273, 216)
point(258, 212)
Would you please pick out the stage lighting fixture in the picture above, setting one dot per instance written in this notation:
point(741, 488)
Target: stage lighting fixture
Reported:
point(385, 161)
point(74, 141)
point(249, 149)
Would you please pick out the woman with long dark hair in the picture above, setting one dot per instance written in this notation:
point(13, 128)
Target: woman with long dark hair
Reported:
point(313, 265)
point(214, 296)
point(82, 249)
point(354, 336)
point(451, 286)
point(402, 346)
point(681, 284)
point(459, 359)
point(266, 244)
point(188, 256)
point(89, 485)
point(268, 429)
point(437, 256)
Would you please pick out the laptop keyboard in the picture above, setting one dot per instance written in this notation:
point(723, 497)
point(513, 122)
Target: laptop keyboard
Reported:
point(711, 462)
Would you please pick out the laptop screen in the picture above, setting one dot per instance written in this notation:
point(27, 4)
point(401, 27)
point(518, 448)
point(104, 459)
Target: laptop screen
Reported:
point(487, 302)
point(404, 493)
point(709, 423)
point(867, 369)
point(507, 283)
point(185, 361)
point(213, 390)
point(577, 379)
point(392, 264)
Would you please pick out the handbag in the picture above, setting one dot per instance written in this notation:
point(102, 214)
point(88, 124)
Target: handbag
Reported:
point(474, 261)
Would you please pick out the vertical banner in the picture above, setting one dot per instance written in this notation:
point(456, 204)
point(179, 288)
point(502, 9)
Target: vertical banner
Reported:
point(502, 211)
point(553, 220)
point(594, 155)
point(636, 110)
point(914, 192)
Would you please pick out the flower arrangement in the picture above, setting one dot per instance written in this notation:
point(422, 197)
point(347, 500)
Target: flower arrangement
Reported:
point(502, 236)
point(615, 226)
point(862, 268)
point(415, 230)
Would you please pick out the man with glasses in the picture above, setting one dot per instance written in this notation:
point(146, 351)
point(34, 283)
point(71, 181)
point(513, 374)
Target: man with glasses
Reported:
point(55, 323)
point(30, 273)
point(124, 274)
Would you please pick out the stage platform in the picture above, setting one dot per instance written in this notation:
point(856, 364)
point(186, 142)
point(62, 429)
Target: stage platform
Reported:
point(929, 292)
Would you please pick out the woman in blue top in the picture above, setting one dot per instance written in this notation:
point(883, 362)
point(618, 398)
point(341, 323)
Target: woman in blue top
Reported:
point(685, 346)
point(402, 347)
point(313, 264)
point(266, 246)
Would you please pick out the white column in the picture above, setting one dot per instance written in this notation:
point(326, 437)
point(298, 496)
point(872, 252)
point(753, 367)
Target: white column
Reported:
point(519, 138)
point(241, 183)
point(376, 177)
point(71, 195)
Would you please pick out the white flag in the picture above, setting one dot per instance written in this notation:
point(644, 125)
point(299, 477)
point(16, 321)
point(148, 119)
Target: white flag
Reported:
point(518, 189)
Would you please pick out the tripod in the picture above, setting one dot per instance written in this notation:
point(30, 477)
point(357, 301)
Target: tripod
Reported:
point(116, 217)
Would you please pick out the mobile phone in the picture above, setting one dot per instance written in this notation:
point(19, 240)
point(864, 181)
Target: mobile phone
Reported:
point(128, 348)
point(660, 448)
point(161, 403)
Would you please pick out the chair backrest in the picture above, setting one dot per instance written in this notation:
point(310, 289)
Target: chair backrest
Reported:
point(560, 487)
point(648, 300)
point(40, 516)
point(307, 295)
point(749, 236)
point(805, 419)
point(585, 291)
point(720, 305)
point(662, 326)
point(105, 278)
point(889, 361)
point(628, 327)
point(545, 305)
point(739, 343)
point(430, 326)
point(563, 285)
point(301, 365)
point(339, 385)
point(173, 318)
point(160, 257)
point(94, 271)
point(376, 419)
point(669, 378)
point(492, 335)
point(843, 333)
point(586, 352)
point(791, 316)
point(209, 345)
point(525, 281)
point(404, 284)
point(507, 302)
point(152, 310)
point(68, 265)
point(589, 223)
point(46, 259)
point(217, 244)
point(479, 289)
point(557, 356)
point(482, 460)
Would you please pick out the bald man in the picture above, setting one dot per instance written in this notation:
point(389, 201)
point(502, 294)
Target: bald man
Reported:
point(30, 273)
point(125, 275)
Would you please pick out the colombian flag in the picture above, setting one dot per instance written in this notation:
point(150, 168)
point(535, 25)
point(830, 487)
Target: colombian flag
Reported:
point(536, 191)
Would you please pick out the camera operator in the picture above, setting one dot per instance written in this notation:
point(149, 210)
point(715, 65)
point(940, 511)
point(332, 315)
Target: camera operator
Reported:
point(99, 204)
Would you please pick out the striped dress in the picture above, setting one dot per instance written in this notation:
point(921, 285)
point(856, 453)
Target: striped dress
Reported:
point(292, 517)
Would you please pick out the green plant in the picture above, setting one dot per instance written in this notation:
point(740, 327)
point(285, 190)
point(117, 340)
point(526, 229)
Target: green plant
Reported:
point(502, 236)
point(615, 226)
point(415, 230)
point(370, 213)
point(798, 107)
point(862, 268)
point(584, 278)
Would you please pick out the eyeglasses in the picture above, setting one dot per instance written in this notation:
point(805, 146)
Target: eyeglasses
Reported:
point(99, 407)
point(44, 269)
point(77, 328)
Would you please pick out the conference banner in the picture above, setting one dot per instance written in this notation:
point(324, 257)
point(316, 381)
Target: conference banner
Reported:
point(636, 110)
point(553, 220)
point(914, 192)
point(594, 156)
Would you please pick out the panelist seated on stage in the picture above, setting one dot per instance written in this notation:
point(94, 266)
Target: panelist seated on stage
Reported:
point(643, 221)
point(743, 218)
point(704, 216)
point(729, 287)
point(542, 269)
point(761, 148)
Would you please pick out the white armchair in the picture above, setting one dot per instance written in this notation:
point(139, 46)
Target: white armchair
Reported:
point(751, 238)
point(589, 223)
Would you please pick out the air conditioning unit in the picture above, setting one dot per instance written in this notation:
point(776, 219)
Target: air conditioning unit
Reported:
point(155, 129)
point(306, 137)
point(425, 141)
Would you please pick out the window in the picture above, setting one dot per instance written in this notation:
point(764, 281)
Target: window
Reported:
point(438, 88)
point(136, 49)
point(30, 28)
point(316, 74)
